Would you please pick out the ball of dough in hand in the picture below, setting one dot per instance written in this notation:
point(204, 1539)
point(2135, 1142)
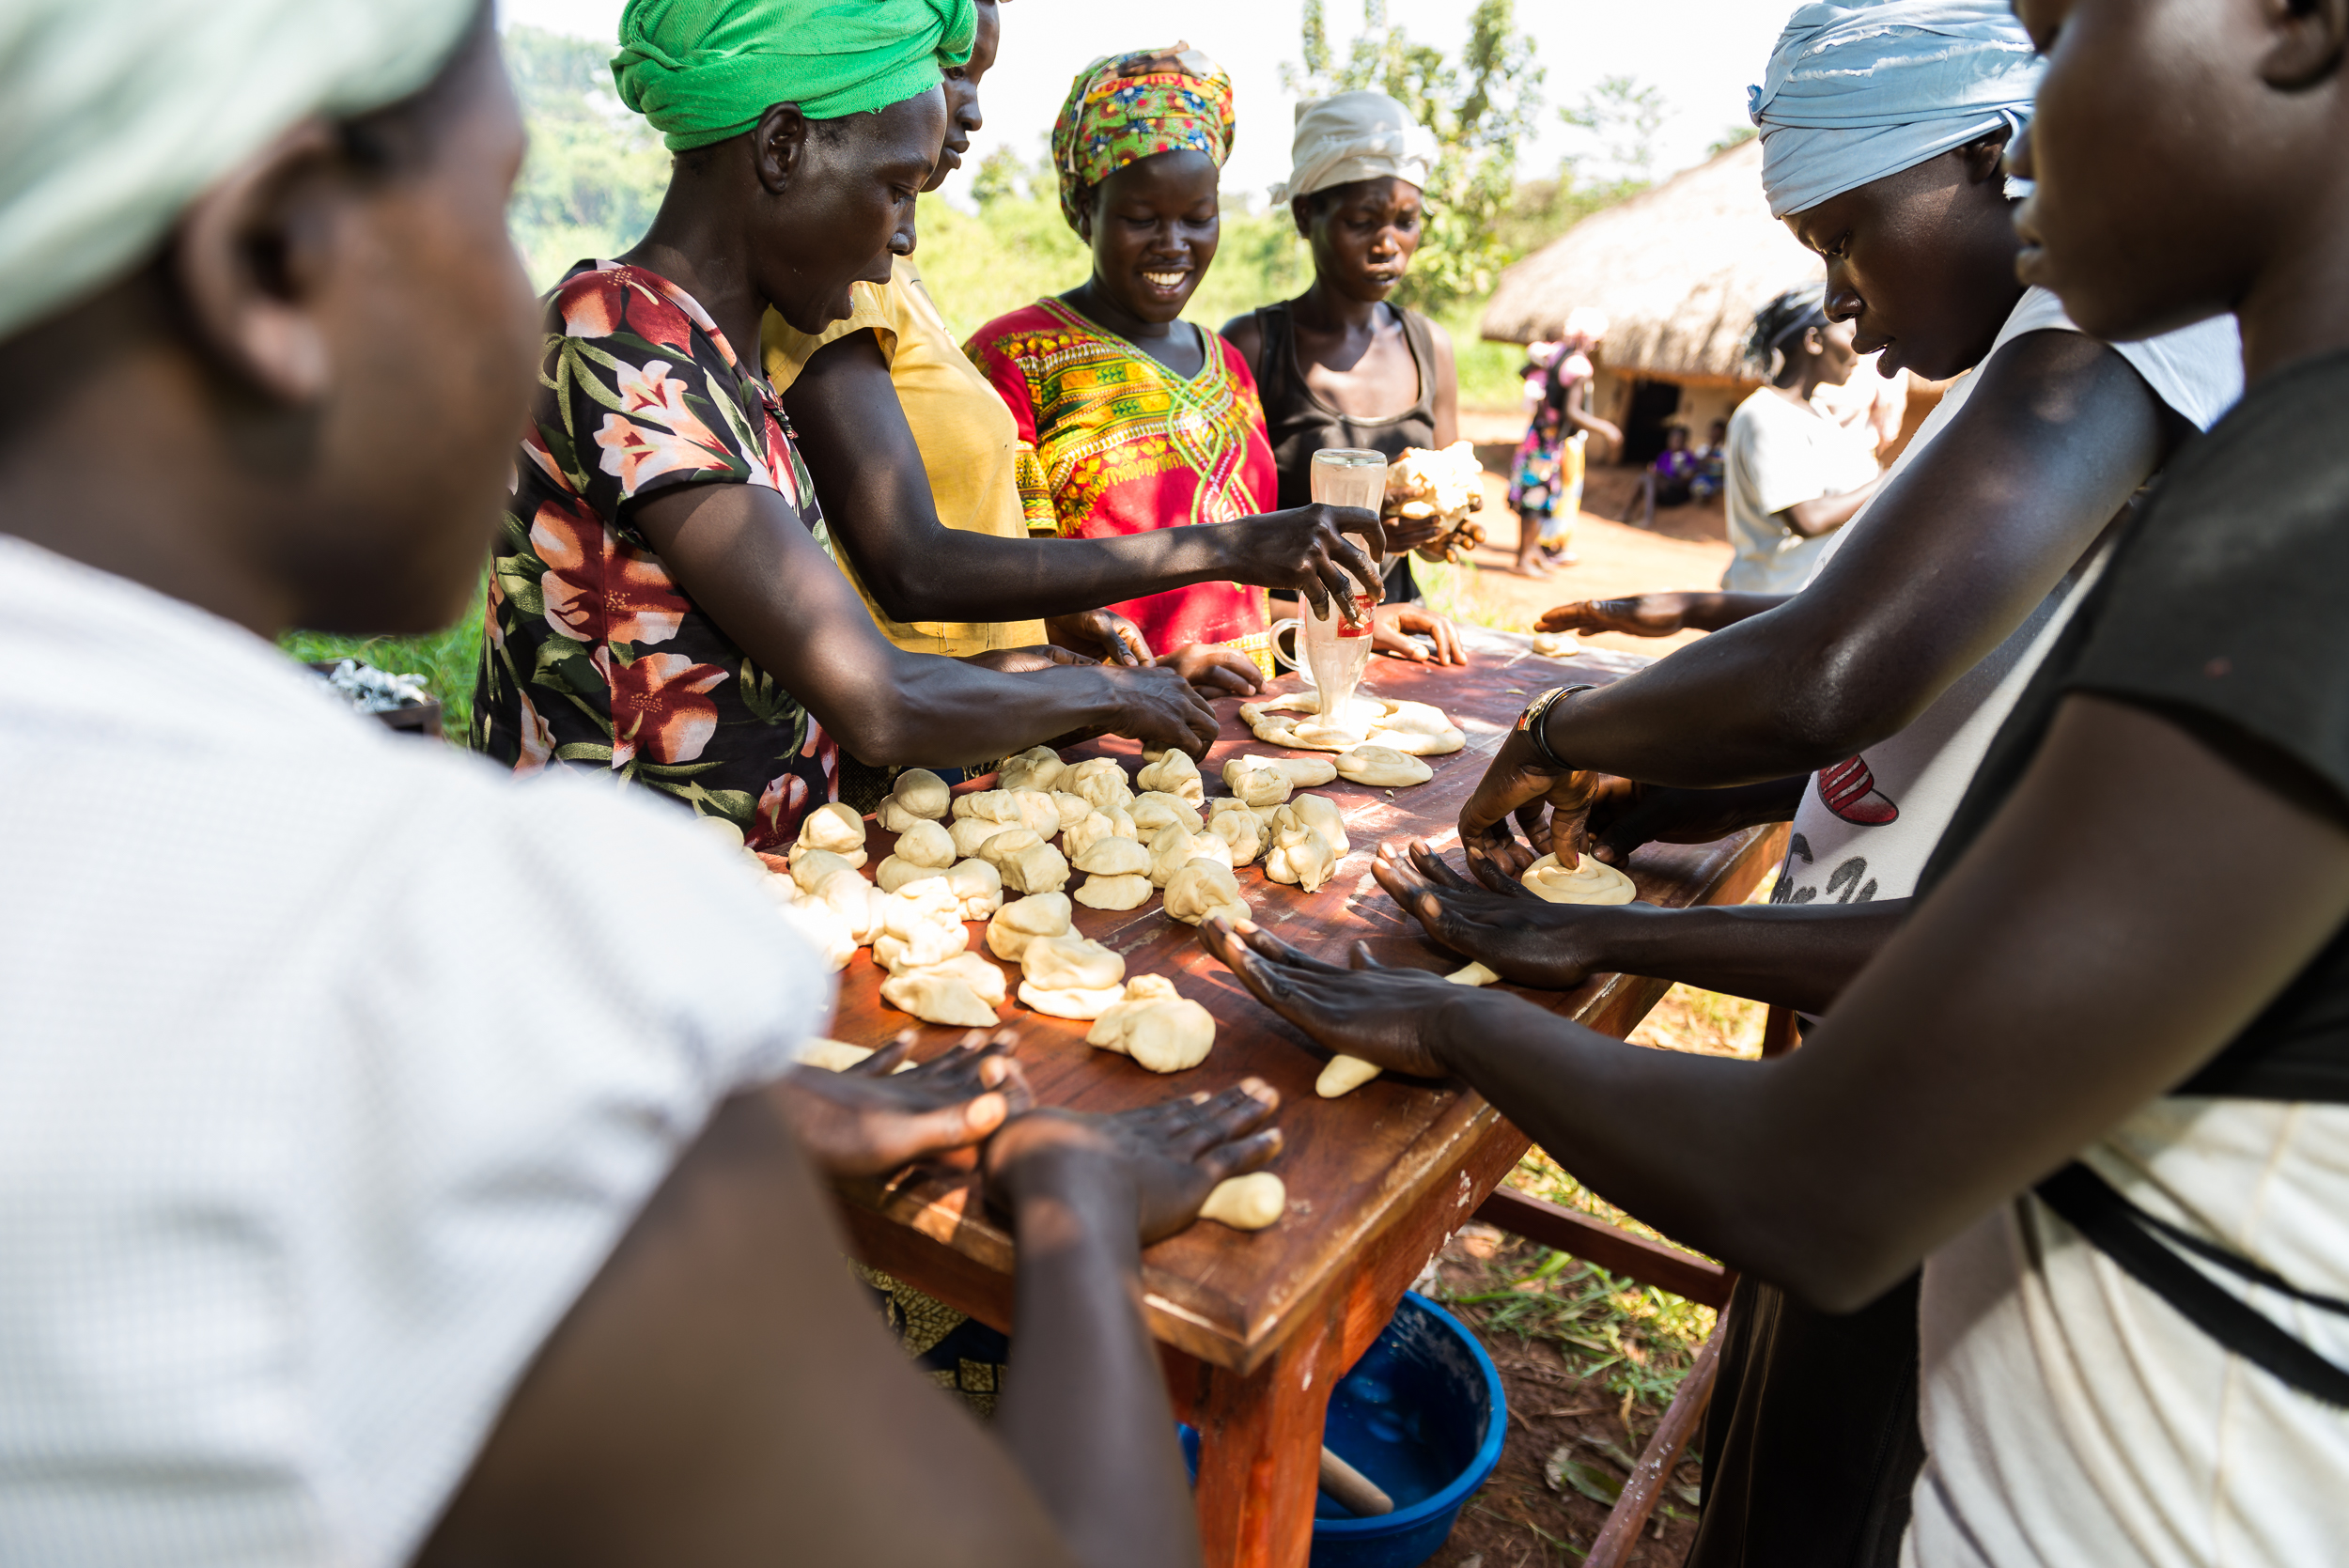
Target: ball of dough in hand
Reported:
point(1173, 774)
point(1115, 856)
point(920, 792)
point(1072, 962)
point(980, 887)
point(1383, 768)
point(1590, 882)
point(1250, 1203)
point(938, 998)
point(1204, 888)
point(1256, 781)
point(1101, 781)
point(1161, 1028)
point(1037, 767)
point(1020, 922)
point(1154, 811)
point(834, 827)
point(1032, 868)
point(1300, 855)
point(1112, 823)
point(1176, 847)
point(1321, 814)
point(1241, 828)
point(1127, 892)
point(815, 867)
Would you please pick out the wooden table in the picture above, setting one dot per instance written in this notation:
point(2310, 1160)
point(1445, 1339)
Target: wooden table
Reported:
point(1256, 1329)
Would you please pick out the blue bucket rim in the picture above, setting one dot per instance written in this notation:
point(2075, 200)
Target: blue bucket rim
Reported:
point(1479, 1468)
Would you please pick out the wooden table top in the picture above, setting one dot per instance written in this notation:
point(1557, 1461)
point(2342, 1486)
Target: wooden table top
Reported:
point(1220, 1295)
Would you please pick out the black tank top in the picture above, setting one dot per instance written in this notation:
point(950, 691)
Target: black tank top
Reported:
point(1301, 423)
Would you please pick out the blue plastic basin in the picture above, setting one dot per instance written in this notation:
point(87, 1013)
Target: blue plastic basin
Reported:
point(1423, 1415)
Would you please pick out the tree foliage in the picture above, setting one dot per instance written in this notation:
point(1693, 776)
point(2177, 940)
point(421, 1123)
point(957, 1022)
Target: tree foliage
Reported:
point(596, 172)
point(1619, 119)
point(1480, 107)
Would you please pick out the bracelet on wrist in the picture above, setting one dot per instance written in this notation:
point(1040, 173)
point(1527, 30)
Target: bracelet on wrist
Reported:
point(1535, 719)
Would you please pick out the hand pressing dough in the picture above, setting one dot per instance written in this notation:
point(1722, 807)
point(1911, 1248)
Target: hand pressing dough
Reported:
point(856, 902)
point(1173, 774)
point(980, 887)
point(815, 867)
point(835, 828)
point(1112, 823)
point(1250, 1203)
point(1300, 855)
point(1115, 856)
point(1101, 781)
point(1176, 847)
point(1320, 813)
point(1590, 882)
point(1256, 781)
point(1034, 868)
point(1241, 828)
point(1343, 1076)
point(1475, 974)
point(1383, 768)
point(1020, 922)
point(1305, 772)
point(1411, 727)
point(941, 996)
point(1154, 810)
point(1156, 1025)
point(1127, 891)
point(1203, 888)
point(1037, 767)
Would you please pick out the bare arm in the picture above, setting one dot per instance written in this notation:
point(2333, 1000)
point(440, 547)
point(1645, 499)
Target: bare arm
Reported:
point(1579, 417)
point(877, 499)
point(1242, 333)
point(1659, 614)
point(738, 551)
point(1810, 520)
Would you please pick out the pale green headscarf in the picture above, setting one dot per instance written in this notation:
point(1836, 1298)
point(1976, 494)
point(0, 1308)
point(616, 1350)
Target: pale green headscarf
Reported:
point(702, 70)
point(117, 114)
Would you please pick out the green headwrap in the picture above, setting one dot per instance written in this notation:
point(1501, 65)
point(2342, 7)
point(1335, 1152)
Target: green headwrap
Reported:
point(702, 70)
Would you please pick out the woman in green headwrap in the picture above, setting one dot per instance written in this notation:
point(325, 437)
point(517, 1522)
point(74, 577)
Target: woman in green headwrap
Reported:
point(661, 608)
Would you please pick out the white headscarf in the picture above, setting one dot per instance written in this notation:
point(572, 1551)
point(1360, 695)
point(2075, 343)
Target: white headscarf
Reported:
point(115, 115)
point(1861, 91)
point(1361, 135)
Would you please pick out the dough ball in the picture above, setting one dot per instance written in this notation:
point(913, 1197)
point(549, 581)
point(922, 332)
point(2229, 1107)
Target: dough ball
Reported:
point(920, 792)
point(1101, 781)
point(815, 867)
point(987, 805)
point(1590, 882)
point(928, 899)
point(1020, 922)
point(986, 981)
point(1037, 767)
point(926, 843)
point(892, 818)
point(1176, 847)
point(1073, 808)
point(1343, 1076)
point(1383, 768)
point(836, 828)
point(1173, 774)
point(1475, 974)
point(1553, 645)
point(1129, 892)
point(1155, 810)
point(1251, 1202)
point(1112, 823)
point(1160, 1029)
point(1070, 1002)
point(1241, 828)
point(923, 946)
point(858, 904)
point(970, 833)
point(1305, 772)
point(1300, 855)
point(980, 887)
point(1256, 781)
point(1037, 811)
point(1320, 813)
point(1000, 848)
point(938, 998)
point(1032, 868)
point(894, 874)
point(721, 832)
point(1204, 888)
point(1072, 962)
point(1115, 856)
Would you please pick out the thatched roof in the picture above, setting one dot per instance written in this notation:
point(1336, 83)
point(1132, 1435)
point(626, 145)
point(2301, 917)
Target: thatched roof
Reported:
point(1679, 269)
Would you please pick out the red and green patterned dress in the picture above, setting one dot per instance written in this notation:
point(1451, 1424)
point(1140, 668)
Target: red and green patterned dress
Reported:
point(593, 657)
point(1112, 441)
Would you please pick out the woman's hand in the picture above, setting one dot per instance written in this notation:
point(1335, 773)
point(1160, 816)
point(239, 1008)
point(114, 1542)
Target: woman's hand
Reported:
point(1027, 661)
point(1641, 615)
point(1390, 628)
point(873, 1118)
point(1173, 1154)
point(1157, 708)
point(1306, 551)
point(1119, 640)
point(1383, 1016)
point(1518, 936)
point(1521, 782)
point(1214, 672)
point(1407, 534)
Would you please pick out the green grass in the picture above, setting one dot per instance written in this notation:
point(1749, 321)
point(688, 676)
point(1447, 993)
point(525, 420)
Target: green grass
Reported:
point(444, 660)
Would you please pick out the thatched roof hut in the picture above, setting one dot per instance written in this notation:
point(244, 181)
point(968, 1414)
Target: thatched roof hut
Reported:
point(1679, 269)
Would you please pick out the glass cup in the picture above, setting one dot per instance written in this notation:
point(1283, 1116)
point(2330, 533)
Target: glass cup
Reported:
point(1337, 650)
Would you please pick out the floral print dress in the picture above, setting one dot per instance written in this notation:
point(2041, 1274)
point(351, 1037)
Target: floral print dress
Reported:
point(593, 657)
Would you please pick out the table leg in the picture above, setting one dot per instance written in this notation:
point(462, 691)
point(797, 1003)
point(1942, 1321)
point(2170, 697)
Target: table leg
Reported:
point(1260, 1450)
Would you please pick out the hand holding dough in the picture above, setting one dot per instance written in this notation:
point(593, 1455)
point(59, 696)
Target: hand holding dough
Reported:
point(936, 995)
point(1300, 855)
point(1156, 1025)
point(1321, 814)
point(1256, 781)
point(1153, 811)
point(1173, 774)
point(835, 828)
point(1037, 767)
point(1203, 888)
point(1241, 828)
point(1383, 768)
point(1176, 847)
point(1590, 882)
point(1250, 1203)
point(1020, 922)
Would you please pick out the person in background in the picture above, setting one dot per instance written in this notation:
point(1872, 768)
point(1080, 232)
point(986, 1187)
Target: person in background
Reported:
point(917, 461)
point(435, 1184)
point(1545, 484)
point(1132, 421)
point(1793, 475)
point(1712, 461)
point(1340, 366)
point(1672, 478)
point(660, 608)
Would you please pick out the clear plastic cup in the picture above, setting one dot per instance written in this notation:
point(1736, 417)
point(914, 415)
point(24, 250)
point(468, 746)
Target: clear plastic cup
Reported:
point(1337, 650)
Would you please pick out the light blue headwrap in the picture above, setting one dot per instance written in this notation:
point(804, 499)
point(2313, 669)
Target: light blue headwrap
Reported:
point(1858, 91)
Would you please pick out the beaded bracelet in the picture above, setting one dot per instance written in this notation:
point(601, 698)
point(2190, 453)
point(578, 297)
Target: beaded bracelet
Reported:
point(1533, 720)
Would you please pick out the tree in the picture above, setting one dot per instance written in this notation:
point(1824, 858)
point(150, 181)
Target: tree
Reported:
point(1620, 119)
point(1480, 110)
point(596, 172)
point(1736, 135)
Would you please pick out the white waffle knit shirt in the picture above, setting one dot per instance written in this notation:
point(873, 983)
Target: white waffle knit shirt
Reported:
point(333, 1064)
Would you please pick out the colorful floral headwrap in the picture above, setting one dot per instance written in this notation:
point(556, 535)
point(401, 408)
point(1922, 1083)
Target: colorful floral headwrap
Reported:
point(1124, 108)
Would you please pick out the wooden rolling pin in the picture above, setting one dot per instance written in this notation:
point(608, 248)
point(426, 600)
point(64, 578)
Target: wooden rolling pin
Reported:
point(1349, 1486)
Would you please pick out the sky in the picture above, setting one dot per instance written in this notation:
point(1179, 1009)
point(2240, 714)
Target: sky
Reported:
point(1699, 54)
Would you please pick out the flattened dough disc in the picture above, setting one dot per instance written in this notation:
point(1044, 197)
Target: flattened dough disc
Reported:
point(1415, 729)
